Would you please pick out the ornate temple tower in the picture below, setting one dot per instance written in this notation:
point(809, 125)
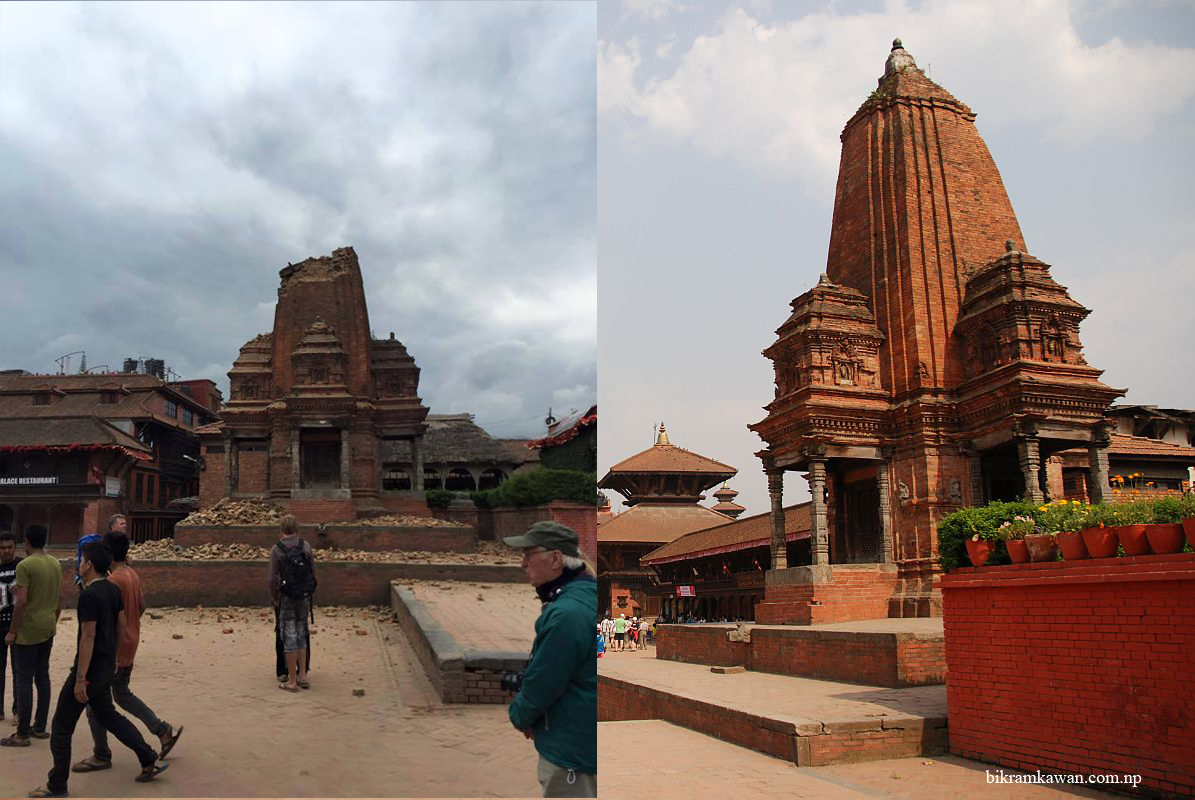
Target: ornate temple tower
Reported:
point(310, 401)
point(935, 364)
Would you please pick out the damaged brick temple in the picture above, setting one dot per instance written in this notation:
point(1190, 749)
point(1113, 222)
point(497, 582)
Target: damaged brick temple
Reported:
point(314, 402)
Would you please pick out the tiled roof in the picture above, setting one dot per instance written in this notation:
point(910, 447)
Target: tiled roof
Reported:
point(742, 534)
point(657, 523)
point(79, 395)
point(670, 458)
point(1124, 445)
point(457, 439)
point(567, 429)
point(66, 433)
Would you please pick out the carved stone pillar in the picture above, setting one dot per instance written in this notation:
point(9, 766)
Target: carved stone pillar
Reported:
point(346, 459)
point(1030, 459)
point(776, 494)
point(296, 451)
point(820, 533)
point(884, 489)
point(1097, 459)
point(417, 463)
point(229, 462)
point(975, 478)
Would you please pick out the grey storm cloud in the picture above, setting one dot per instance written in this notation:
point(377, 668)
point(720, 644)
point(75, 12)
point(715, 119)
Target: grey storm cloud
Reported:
point(160, 163)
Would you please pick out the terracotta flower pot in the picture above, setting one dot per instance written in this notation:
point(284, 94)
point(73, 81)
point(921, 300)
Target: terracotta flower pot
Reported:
point(1072, 545)
point(1165, 538)
point(1018, 551)
point(1042, 546)
point(1189, 529)
point(1101, 542)
point(1132, 539)
point(979, 552)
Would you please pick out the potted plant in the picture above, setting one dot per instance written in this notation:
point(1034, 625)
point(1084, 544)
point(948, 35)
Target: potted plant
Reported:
point(1099, 537)
point(1130, 519)
point(1186, 509)
point(1068, 518)
point(1165, 532)
point(1012, 533)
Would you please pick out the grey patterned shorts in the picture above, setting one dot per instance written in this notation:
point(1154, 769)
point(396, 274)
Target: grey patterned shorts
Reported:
point(292, 622)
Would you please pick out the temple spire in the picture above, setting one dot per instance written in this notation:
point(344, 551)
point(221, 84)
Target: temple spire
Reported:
point(662, 435)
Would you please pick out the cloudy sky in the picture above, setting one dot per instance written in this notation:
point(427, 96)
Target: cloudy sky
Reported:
point(718, 131)
point(159, 163)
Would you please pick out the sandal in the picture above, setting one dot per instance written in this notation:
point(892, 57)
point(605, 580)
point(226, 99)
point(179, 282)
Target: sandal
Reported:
point(286, 688)
point(91, 764)
point(151, 772)
point(303, 684)
point(16, 740)
point(43, 791)
point(171, 742)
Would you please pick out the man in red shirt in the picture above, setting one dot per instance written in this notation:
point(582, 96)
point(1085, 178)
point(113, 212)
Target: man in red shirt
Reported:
point(126, 580)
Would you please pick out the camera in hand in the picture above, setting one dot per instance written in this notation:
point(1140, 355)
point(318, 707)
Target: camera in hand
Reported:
point(511, 682)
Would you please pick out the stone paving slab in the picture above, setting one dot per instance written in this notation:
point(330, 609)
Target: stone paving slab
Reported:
point(800, 701)
point(503, 621)
point(658, 759)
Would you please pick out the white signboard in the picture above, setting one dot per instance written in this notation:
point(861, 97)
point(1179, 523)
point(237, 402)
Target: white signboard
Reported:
point(47, 480)
point(112, 487)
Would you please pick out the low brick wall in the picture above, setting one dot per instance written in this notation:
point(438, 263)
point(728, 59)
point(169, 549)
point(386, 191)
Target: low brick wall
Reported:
point(852, 592)
point(460, 676)
point(873, 659)
point(581, 518)
point(344, 536)
point(1076, 666)
point(243, 583)
point(804, 743)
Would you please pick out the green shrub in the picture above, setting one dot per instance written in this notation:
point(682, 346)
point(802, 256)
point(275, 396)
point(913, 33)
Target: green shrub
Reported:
point(1167, 509)
point(955, 529)
point(439, 498)
point(541, 486)
point(1137, 513)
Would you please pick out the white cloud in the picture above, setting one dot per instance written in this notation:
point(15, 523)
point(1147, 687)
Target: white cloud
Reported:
point(776, 95)
point(655, 10)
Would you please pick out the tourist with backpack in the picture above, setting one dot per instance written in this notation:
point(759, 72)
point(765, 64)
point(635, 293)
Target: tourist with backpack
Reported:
point(292, 583)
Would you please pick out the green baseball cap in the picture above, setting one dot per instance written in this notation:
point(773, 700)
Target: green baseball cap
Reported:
point(548, 535)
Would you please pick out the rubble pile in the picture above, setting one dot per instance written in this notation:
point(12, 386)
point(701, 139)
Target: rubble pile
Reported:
point(237, 512)
point(408, 521)
point(167, 550)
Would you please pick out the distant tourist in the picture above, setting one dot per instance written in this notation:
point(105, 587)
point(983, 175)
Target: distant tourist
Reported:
point(557, 702)
point(643, 629)
point(292, 583)
point(126, 580)
point(620, 632)
point(117, 523)
point(8, 597)
point(31, 635)
point(607, 627)
point(102, 622)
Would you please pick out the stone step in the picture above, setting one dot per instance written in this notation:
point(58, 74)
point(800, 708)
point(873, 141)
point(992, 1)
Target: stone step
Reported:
point(805, 721)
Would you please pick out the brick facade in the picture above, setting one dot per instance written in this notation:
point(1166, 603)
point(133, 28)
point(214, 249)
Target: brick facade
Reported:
point(581, 518)
point(852, 592)
point(1078, 667)
point(347, 536)
point(874, 659)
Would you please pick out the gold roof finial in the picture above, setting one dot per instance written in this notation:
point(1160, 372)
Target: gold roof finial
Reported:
point(662, 435)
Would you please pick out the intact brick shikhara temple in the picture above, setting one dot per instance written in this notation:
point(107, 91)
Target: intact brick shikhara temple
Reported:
point(934, 365)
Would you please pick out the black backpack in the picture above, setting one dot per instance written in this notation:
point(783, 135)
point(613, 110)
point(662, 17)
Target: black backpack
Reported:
point(297, 578)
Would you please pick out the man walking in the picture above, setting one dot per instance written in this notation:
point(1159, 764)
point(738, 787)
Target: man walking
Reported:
point(101, 626)
point(126, 580)
point(620, 632)
point(117, 523)
point(557, 702)
point(643, 629)
point(292, 582)
point(8, 597)
point(31, 635)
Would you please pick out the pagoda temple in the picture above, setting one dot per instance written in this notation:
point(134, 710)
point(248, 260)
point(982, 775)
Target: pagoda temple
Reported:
point(313, 401)
point(936, 363)
point(662, 486)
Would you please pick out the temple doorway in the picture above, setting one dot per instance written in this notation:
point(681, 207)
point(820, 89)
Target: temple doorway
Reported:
point(320, 459)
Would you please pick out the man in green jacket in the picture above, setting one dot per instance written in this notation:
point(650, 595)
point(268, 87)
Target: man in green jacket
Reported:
point(557, 704)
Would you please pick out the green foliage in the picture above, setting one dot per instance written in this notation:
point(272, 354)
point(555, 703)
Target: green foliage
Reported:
point(955, 529)
point(1061, 516)
point(541, 486)
point(1167, 509)
point(1186, 506)
point(1138, 513)
point(439, 498)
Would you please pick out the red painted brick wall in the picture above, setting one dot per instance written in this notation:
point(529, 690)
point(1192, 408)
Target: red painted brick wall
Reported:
point(581, 518)
point(243, 583)
point(313, 512)
point(361, 537)
point(854, 594)
point(211, 480)
point(1081, 666)
point(874, 659)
